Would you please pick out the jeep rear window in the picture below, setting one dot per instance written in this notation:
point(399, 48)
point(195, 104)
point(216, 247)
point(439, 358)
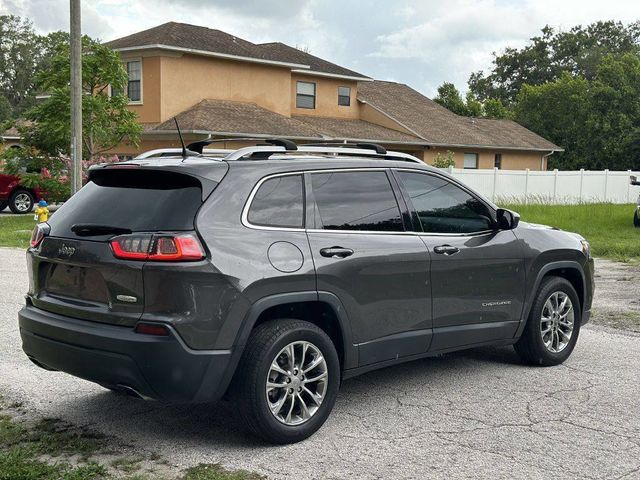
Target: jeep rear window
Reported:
point(279, 202)
point(140, 201)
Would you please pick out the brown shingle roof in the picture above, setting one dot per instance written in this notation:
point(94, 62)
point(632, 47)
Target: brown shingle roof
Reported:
point(343, 129)
point(224, 117)
point(284, 53)
point(439, 126)
point(227, 117)
point(193, 37)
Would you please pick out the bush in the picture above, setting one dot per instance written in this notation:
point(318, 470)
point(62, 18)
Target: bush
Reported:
point(444, 161)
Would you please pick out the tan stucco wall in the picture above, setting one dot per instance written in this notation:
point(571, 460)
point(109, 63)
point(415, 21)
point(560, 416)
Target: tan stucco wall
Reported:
point(326, 97)
point(188, 79)
point(511, 159)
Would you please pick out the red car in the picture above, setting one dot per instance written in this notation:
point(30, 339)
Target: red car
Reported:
point(19, 198)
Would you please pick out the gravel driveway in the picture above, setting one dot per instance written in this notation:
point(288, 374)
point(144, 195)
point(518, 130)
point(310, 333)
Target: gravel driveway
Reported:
point(475, 414)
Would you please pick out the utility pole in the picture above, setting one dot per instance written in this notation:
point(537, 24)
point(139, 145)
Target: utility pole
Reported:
point(76, 95)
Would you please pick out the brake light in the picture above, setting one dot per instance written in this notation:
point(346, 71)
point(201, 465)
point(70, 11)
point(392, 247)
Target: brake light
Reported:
point(40, 231)
point(158, 247)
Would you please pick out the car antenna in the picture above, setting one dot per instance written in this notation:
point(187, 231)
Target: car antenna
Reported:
point(184, 149)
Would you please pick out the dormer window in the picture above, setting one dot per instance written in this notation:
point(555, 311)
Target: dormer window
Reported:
point(305, 95)
point(344, 96)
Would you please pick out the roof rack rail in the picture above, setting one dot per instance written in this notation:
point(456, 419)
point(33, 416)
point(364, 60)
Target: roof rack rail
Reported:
point(281, 142)
point(263, 152)
point(367, 146)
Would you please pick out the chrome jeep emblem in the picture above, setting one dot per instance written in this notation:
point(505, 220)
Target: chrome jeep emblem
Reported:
point(66, 250)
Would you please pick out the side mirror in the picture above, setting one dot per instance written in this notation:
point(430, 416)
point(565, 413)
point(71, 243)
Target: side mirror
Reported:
point(506, 219)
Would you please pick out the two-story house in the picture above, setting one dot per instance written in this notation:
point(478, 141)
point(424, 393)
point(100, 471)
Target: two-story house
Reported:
point(221, 86)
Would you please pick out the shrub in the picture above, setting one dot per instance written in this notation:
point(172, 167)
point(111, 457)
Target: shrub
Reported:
point(444, 160)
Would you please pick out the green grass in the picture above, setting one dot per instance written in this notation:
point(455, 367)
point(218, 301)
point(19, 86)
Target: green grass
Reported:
point(15, 230)
point(51, 449)
point(608, 227)
point(216, 472)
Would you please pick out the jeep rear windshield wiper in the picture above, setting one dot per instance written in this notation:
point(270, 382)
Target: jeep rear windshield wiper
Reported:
point(92, 229)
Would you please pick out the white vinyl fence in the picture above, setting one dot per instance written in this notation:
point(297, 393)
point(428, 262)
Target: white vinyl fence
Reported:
point(530, 186)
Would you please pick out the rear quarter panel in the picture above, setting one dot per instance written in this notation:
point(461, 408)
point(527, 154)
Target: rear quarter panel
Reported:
point(239, 256)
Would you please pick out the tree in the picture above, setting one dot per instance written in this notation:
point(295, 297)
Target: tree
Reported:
point(18, 61)
point(597, 122)
point(578, 52)
point(106, 119)
point(23, 53)
point(493, 108)
point(558, 111)
point(6, 111)
point(449, 97)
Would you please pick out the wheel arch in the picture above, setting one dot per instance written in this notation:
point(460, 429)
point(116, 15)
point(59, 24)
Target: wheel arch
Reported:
point(570, 270)
point(323, 309)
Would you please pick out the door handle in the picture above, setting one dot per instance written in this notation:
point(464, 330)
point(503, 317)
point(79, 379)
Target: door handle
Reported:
point(446, 250)
point(336, 252)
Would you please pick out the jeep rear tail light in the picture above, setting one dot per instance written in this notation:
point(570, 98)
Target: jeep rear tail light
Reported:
point(158, 247)
point(40, 231)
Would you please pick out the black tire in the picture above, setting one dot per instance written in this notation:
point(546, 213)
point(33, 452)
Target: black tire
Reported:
point(636, 219)
point(15, 201)
point(530, 347)
point(3, 205)
point(248, 390)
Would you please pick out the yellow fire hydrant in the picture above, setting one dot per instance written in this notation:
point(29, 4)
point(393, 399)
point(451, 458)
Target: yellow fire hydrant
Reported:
point(41, 212)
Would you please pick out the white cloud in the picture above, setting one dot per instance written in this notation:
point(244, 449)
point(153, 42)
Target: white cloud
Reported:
point(422, 43)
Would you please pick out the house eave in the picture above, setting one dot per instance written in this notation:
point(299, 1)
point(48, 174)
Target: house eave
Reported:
point(315, 73)
point(238, 135)
point(495, 147)
point(324, 138)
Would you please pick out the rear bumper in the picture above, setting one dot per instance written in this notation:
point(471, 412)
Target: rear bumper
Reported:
point(162, 368)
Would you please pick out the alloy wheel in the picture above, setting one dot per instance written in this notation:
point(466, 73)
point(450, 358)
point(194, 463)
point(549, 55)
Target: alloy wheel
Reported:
point(297, 383)
point(557, 322)
point(22, 202)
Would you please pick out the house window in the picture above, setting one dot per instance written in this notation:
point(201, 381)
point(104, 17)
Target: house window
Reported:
point(134, 86)
point(470, 160)
point(344, 96)
point(305, 95)
point(134, 82)
point(497, 162)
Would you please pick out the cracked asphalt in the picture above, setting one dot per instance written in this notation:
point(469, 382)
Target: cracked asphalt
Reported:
point(473, 414)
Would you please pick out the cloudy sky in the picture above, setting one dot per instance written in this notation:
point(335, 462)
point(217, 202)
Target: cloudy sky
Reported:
point(420, 42)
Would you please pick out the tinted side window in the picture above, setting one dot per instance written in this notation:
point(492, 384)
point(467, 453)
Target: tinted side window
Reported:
point(444, 207)
point(279, 203)
point(355, 201)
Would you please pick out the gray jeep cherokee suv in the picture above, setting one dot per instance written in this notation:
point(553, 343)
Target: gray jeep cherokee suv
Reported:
point(276, 272)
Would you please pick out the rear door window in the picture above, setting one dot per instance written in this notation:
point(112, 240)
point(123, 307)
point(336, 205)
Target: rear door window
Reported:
point(355, 201)
point(279, 202)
